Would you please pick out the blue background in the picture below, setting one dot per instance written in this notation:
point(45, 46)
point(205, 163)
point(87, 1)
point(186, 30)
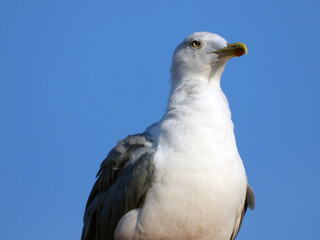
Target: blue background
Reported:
point(75, 76)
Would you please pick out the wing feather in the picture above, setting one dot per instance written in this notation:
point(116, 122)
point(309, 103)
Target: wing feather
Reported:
point(249, 202)
point(121, 185)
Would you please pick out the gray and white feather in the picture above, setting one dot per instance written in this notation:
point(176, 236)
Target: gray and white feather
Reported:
point(183, 177)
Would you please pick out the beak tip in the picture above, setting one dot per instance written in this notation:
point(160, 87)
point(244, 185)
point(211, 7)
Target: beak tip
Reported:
point(240, 51)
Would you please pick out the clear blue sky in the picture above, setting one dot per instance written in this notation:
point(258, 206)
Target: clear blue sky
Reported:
point(75, 76)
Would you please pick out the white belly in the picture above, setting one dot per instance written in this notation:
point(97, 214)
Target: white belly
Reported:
point(195, 196)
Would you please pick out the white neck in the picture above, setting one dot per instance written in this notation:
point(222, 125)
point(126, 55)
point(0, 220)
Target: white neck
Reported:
point(194, 103)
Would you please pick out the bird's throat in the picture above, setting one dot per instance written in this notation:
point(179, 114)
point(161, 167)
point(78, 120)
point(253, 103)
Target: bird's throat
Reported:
point(194, 108)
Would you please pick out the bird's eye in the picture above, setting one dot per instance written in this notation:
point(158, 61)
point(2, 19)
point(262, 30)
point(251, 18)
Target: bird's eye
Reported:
point(195, 44)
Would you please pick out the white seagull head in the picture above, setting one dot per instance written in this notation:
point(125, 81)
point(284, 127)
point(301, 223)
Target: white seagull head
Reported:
point(203, 54)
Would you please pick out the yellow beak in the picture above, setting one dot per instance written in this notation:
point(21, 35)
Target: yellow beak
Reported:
point(233, 50)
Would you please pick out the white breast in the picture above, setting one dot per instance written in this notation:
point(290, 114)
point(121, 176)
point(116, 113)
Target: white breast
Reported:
point(200, 182)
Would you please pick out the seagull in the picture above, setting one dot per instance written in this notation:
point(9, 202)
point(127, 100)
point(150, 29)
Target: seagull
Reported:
point(182, 178)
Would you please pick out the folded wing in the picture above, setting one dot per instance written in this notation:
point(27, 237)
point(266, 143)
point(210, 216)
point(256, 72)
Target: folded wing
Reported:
point(122, 182)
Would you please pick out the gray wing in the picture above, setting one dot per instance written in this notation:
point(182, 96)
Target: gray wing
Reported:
point(249, 202)
point(121, 185)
